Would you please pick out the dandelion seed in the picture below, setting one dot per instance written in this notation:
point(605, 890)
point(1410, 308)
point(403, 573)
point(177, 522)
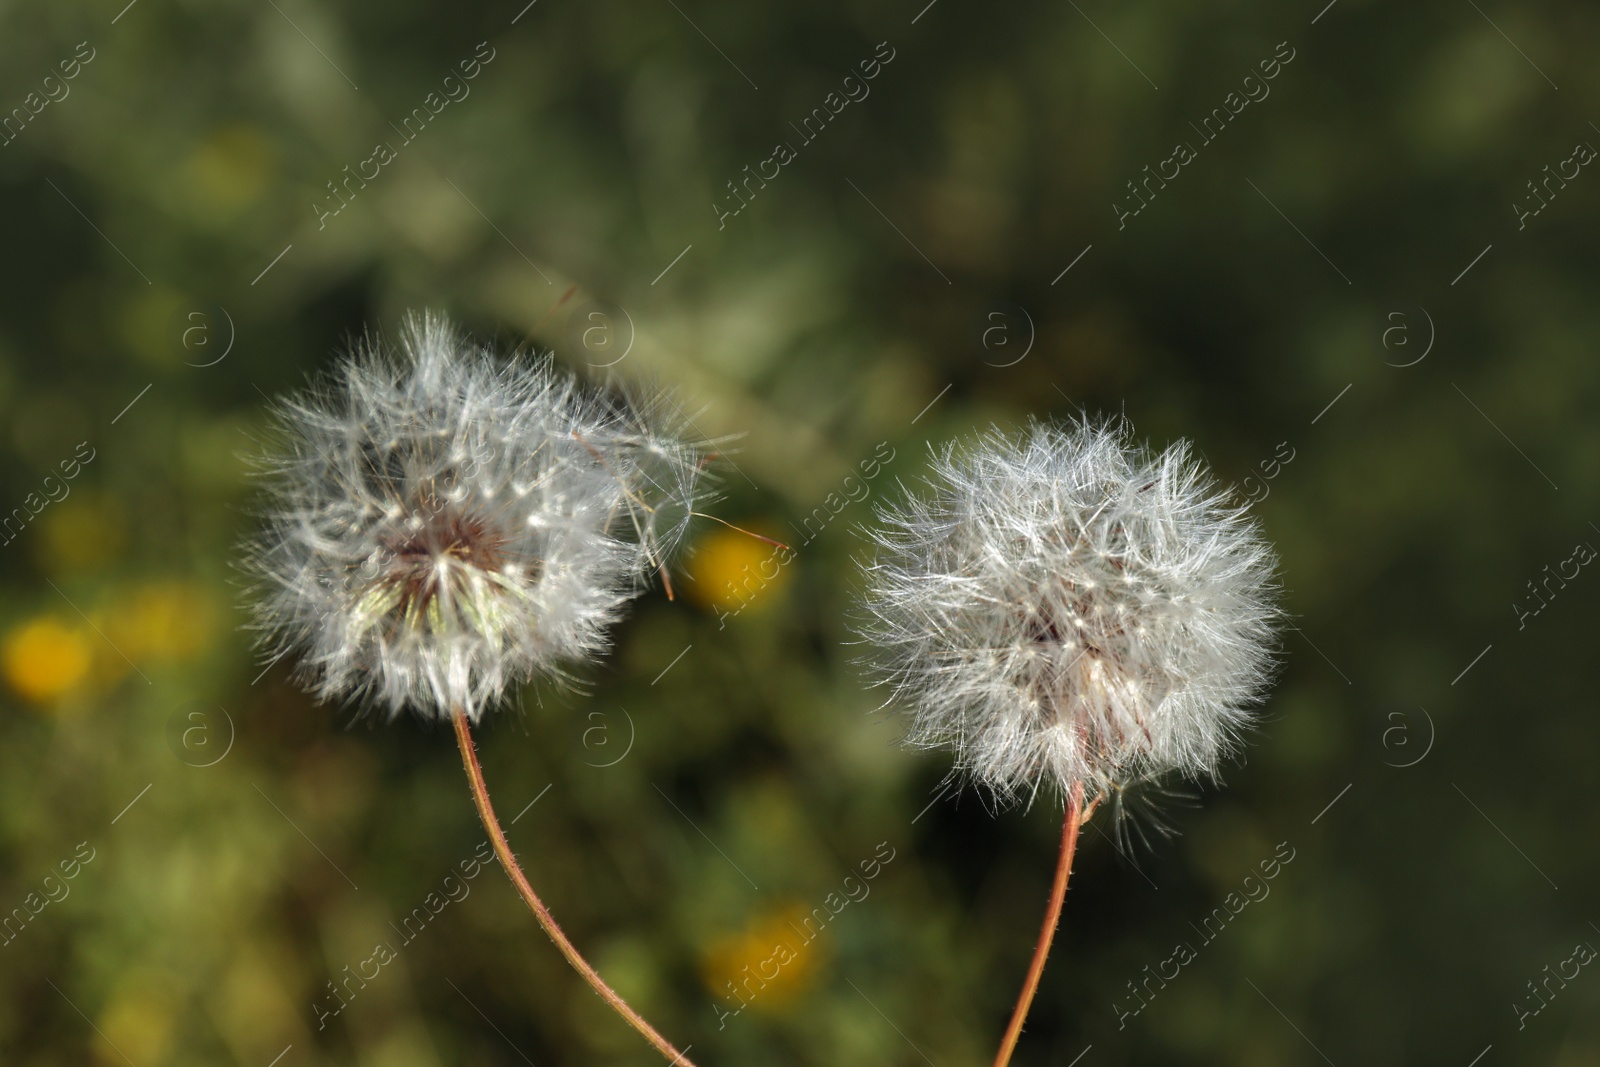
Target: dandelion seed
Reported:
point(1068, 611)
point(442, 524)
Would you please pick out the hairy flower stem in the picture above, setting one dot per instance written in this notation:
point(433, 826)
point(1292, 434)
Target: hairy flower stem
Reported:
point(1074, 818)
point(491, 823)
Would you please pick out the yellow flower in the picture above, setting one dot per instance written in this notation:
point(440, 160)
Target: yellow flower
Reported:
point(231, 168)
point(83, 532)
point(730, 571)
point(767, 965)
point(169, 620)
point(44, 658)
point(139, 1020)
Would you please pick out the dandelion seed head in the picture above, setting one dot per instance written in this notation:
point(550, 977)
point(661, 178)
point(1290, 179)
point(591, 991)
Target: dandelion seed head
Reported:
point(1065, 607)
point(441, 523)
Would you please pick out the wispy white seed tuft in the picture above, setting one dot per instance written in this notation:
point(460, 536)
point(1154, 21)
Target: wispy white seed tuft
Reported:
point(1069, 608)
point(441, 523)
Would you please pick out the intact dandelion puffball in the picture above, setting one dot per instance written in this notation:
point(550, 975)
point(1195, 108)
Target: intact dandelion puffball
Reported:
point(1068, 608)
point(441, 523)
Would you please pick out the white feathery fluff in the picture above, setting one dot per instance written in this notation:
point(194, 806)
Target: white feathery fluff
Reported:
point(441, 523)
point(1069, 608)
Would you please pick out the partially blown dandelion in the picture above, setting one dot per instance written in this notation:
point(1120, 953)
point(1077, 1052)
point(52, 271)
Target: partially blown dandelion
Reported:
point(1069, 610)
point(442, 524)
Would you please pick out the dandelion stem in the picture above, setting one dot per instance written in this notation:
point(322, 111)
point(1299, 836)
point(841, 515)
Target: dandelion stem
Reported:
point(491, 823)
point(1074, 818)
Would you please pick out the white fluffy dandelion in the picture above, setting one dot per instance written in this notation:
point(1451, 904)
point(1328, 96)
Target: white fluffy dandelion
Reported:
point(1068, 609)
point(442, 523)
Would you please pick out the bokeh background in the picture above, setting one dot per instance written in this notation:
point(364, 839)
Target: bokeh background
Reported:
point(1418, 427)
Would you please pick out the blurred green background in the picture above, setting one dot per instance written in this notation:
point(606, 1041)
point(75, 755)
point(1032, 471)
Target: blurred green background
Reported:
point(170, 244)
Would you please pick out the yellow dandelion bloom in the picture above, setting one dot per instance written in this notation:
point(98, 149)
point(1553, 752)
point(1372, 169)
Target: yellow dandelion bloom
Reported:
point(83, 532)
point(732, 571)
point(44, 658)
point(767, 965)
point(231, 168)
point(164, 621)
point(139, 1021)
